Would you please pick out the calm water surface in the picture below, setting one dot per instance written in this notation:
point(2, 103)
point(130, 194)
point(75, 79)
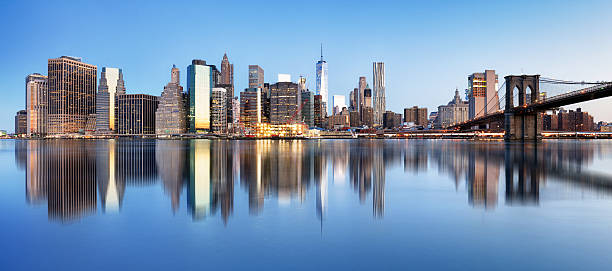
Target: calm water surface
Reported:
point(305, 205)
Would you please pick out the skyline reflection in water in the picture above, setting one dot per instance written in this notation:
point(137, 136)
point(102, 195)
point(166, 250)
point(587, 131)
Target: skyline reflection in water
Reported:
point(75, 178)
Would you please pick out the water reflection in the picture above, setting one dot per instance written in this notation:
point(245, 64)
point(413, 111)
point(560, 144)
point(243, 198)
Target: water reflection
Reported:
point(70, 175)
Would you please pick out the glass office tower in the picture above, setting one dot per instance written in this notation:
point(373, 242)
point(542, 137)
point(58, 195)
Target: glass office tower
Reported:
point(201, 79)
point(321, 84)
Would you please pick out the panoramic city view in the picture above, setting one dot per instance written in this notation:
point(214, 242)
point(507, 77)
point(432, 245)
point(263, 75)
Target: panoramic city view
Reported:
point(464, 135)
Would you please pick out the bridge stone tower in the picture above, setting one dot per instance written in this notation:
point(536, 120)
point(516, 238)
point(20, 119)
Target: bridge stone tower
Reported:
point(521, 124)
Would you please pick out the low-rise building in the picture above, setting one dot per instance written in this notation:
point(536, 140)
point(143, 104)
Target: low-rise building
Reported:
point(456, 111)
point(392, 120)
point(21, 122)
point(416, 115)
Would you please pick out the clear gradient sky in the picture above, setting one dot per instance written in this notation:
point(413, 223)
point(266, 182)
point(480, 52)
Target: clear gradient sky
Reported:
point(429, 47)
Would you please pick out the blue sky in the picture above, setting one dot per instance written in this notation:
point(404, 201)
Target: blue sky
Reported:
point(429, 47)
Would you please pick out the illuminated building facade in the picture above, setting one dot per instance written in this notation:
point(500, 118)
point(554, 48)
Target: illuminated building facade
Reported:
point(285, 101)
point(201, 79)
point(482, 93)
point(251, 107)
point(71, 96)
point(36, 104)
point(218, 112)
point(235, 113)
point(280, 130)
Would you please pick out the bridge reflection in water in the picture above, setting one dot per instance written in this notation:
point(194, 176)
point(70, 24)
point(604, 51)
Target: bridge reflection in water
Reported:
point(76, 177)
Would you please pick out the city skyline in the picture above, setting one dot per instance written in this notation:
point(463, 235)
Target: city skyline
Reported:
point(146, 67)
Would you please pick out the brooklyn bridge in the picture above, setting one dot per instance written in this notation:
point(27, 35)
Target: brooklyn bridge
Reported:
point(521, 101)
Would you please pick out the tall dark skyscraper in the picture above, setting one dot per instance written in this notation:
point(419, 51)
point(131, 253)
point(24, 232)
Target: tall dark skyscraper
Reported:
point(227, 82)
point(307, 107)
point(21, 122)
point(361, 86)
point(72, 94)
point(256, 77)
point(318, 111)
point(284, 103)
point(227, 72)
point(251, 108)
point(136, 113)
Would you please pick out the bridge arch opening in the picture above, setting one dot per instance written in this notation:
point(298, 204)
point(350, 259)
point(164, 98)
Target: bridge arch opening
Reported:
point(529, 95)
point(515, 97)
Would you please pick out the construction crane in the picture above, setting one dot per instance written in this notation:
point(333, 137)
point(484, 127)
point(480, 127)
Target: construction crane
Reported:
point(292, 119)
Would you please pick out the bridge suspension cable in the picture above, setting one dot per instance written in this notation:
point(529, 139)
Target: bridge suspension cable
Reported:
point(492, 101)
point(566, 82)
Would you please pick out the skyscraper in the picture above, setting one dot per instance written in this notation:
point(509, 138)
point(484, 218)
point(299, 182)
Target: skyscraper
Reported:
point(482, 93)
point(321, 84)
point(251, 107)
point(111, 85)
point(72, 94)
point(218, 113)
point(378, 80)
point(235, 110)
point(227, 82)
point(285, 101)
point(308, 108)
point(36, 103)
point(318, 111)
point(170, 117)
point(367, 97)
point(136, 113)
point(353, 100)
point(362, 86)
point(227, 73)
point(302, 84)
point(201, 79)
point(256, 77)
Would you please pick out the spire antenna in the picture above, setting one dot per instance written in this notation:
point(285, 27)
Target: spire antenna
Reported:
point(321, 51)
